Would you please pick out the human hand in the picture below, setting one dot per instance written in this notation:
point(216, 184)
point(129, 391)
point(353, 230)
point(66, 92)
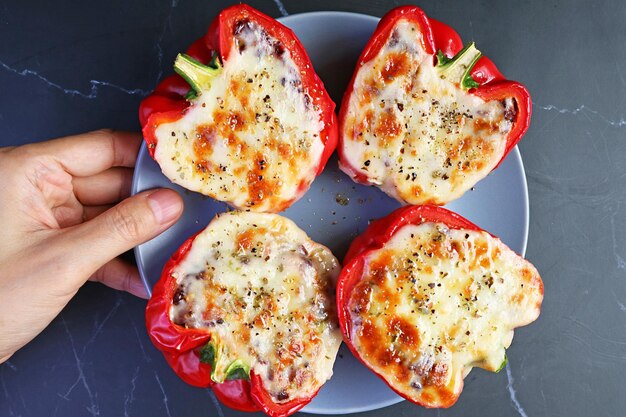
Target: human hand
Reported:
point(59, 226)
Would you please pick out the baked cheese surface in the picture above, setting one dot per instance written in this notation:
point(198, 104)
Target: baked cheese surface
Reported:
point(252, 139)
point(418, 136)
point(265, 291)
point(435, 302)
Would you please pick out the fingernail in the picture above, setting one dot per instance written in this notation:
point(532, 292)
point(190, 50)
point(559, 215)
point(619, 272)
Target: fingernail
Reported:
point(165, 205)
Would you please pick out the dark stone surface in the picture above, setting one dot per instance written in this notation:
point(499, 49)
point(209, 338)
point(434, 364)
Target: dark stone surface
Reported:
point(71, 67)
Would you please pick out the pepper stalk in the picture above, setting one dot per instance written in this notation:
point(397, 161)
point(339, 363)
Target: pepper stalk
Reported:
point(222, 370)
point(459, 66)
point(503, 364)
point(198, 75)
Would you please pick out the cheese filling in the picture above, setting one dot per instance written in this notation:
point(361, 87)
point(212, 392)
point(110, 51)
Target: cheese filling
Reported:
point(435, 302)
point(418, 136)
point(253, 138)
point(265, 291)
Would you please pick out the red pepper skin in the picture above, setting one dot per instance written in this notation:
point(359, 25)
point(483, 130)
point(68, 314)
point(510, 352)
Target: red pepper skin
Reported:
point(167, 103)
point(262, 397)
point(439, 36)
point(180, 347)
point(375, 237)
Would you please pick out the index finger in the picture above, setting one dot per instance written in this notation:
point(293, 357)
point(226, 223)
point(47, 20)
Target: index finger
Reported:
point(90, 153)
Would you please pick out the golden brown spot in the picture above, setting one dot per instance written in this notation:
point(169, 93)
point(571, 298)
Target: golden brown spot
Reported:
point(212, 311)
point(427, 396)
point(416, 190)
point(361, 298)
point(405, 333)
point(388, 126)
point(203, 143)
point(370, 90)
point(203, 166)
point(456, 247)
point(285, 150)
point(296, 347)
point(395, 65)
point(244, 334)
point(260, 187)
point(490, 126)
point(285, 358)
point(262, 318)
point(378, 268)
point(480, 258)
point(366, 122)
point(439, 394)
point(518, 298)
point(241, 90)
point(228, 122)
point(436, 375)
point(245, 239)
point(446, 396)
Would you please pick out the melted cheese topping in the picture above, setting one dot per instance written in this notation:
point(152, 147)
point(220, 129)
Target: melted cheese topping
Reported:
point(265, 291)
point(251, 140)
point(419, 137)
point(435, 302)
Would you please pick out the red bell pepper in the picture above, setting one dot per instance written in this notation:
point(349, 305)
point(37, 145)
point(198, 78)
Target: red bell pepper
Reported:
point(173, 97)
point(375, 237)
point(185, 350)
point(475, 73)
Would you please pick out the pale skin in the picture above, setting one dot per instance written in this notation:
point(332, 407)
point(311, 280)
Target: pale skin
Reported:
point(65, 217)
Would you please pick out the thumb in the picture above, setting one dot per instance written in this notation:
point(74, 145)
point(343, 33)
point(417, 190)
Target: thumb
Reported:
point(124, 226)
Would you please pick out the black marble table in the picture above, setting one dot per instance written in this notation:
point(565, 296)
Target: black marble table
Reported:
point(72, 67)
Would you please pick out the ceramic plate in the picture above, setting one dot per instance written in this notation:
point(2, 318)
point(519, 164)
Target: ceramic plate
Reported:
point(498, 204)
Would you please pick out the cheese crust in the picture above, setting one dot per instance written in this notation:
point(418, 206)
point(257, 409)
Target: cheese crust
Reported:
point(435, 302)
point(253, 138)
point(265, 292)
point(419, 137)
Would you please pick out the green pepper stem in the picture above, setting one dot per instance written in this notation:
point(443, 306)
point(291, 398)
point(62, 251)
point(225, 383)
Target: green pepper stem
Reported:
point(215, 355)
point(458, 68)
point(198, 75)
point(503, 364)
point(237, 370)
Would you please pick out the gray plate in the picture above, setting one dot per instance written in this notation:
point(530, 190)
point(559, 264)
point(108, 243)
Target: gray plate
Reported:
point(498, 204)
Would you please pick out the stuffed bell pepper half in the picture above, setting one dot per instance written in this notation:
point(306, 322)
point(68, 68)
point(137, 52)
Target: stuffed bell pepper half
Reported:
point(425, 295)
point(425, 118)
point(247, 307)
point(247, 120)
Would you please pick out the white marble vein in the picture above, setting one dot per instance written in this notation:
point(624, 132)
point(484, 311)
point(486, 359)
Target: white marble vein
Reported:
point(91, 94)
point(141, 346)
point(216, 403)
point(518, 407)
point(100, 326)
point(128, 402)
point(165, 400)
point(582, 109)
point(281, 7)
point(93, 409)
point(158, 44)
point(7, 395)
point(621, 263)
